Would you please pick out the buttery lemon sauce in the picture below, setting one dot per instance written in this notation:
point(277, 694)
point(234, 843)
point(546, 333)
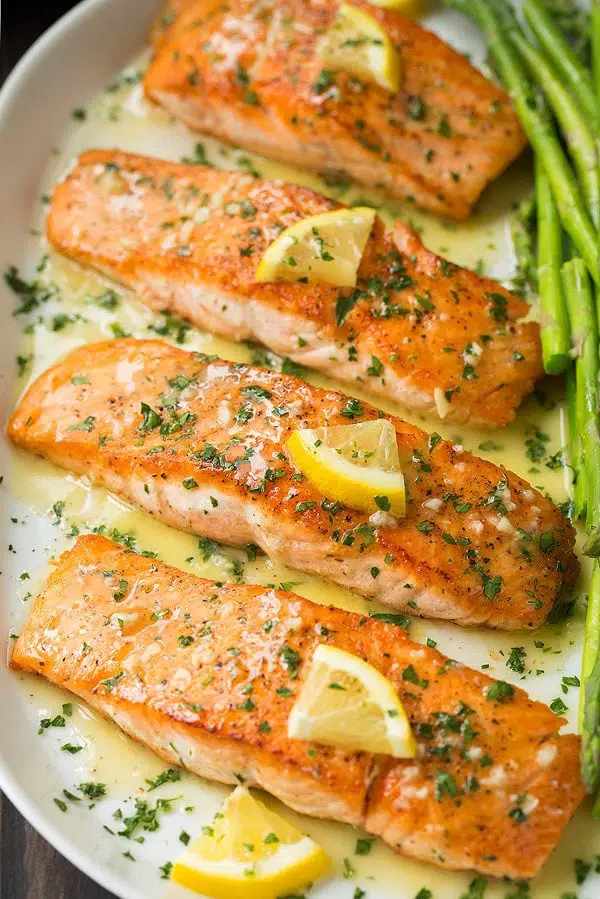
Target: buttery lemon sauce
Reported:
point(120, 117)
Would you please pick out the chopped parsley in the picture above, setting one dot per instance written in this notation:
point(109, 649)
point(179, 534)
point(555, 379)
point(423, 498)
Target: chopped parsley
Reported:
point(498, 306)
point(324, 80)
point(363, 846)
point(499, 691)
point(151, 419)
point(516, 659)
point(445, 785)
point(558, 706)
point(86, 425)
point(352, 409)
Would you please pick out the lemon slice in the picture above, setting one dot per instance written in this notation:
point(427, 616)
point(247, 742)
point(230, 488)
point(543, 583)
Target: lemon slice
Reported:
point(356, 43)
point(249, 852)
point(346, 702)
point(356, 464)
point(326, 247)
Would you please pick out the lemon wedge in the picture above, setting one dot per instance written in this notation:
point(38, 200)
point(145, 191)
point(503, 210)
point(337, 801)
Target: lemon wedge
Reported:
point(346, 702)
point(326, 247)
point(249, 852)
point(356, 43)
point(356, 465)
point(411, 9)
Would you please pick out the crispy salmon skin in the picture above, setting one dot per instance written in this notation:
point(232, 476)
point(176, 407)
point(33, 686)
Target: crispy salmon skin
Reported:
point(249, 73)
point(201, 444)
point(189, 239)
point(206, 674)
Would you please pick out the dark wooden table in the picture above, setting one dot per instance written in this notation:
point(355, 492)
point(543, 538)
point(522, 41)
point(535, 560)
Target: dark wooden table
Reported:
point(29, 867)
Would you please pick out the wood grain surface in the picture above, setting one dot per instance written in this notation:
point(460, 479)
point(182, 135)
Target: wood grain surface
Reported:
point(29, 867)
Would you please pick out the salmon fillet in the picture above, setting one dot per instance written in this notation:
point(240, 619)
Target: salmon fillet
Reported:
point(201, 444)
point(188, 239)
point(249, 73)
point(206, 674)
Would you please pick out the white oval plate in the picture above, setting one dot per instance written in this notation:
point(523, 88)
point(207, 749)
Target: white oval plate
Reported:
point(64, 69)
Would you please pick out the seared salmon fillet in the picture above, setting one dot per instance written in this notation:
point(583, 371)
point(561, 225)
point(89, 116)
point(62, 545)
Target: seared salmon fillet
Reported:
point(188, 239)
point(201, 444)
point(249, 72)
point(206, 674)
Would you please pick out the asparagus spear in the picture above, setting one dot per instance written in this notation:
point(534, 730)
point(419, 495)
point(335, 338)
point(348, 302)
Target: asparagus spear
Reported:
point(573, 72)
point(596, 54)
point(579, 486)
point(556, 341)
point(579, 136)
point(578, 132)
point(522, 225)
point(540, 130)
point(582, 315)
point(591, 643)
point(572, 18)
point(589, 709)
